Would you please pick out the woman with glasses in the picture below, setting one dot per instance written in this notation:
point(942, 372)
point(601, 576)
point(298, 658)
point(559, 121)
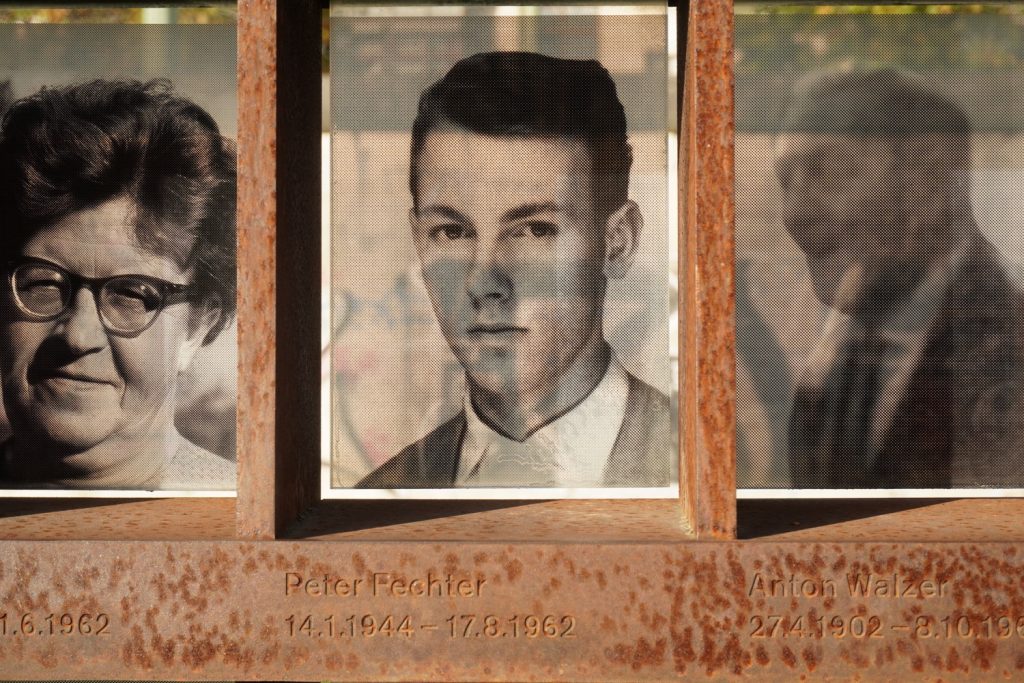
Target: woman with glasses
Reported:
point(117, 242)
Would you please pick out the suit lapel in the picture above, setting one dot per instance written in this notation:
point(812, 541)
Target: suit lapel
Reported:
point(955, 365)
point(643, 452)
point(438, 454)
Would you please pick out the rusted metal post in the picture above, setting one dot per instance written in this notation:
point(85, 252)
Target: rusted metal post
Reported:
point(278, 263)
point(707, 301)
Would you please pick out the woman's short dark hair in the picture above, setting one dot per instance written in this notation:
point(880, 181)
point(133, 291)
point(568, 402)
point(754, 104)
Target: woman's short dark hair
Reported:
point(524, 94)
point(69, 148)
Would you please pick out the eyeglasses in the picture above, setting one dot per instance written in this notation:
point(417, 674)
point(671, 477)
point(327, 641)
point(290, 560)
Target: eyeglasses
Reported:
point(127, 304)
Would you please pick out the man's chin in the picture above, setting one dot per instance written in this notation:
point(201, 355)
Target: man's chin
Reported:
point(868, 306)
point(838, 283)
point(492, 382)
point(824, 291)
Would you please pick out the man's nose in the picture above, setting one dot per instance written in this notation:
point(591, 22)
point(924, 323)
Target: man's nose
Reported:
point(82, 329)
point(489, 278)
point(800, 203)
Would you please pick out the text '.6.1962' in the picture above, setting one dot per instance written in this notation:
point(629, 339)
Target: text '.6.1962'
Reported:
point(29, 624)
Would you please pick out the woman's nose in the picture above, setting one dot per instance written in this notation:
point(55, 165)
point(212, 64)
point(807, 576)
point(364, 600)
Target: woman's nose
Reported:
point(82, 328)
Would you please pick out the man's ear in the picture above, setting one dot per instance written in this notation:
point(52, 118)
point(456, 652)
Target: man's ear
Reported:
point(204, 318)
point(621, 236)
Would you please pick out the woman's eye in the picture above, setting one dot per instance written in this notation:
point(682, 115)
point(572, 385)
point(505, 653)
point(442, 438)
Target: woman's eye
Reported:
point(34, 278)
point(132, 294)
point(39, 285)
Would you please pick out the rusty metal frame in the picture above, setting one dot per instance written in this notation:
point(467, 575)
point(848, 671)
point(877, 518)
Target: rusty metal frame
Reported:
point(285, 480)
point(278, 263)
point(215, 589)
point(707, 305)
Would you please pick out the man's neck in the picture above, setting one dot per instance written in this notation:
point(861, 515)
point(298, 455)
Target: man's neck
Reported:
point(519, 415)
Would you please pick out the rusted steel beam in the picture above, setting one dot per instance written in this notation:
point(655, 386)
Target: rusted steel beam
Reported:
point(278, 262)
point(257, 252)
point(707, 298)
point(310, 610)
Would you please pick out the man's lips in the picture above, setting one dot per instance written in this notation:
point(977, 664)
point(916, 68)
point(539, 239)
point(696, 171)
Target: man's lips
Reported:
point(495, 329)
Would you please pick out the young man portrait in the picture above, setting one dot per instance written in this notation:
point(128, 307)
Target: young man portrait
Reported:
point(519, 174)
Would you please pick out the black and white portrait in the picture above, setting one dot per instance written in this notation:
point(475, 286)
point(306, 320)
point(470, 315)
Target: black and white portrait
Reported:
point(879, 325)
point(519, 216)
point(118, 254)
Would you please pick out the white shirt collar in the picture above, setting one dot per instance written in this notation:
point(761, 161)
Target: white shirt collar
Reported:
point(571, 451)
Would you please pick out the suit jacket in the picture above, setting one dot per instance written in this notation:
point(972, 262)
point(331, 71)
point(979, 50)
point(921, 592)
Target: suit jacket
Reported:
point(644, 453)
point(960, 422)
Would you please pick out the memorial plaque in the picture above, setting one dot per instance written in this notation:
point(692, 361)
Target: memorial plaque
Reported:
point(365, 611)
point(879, 247)
point(500, 252)
point(117, 346)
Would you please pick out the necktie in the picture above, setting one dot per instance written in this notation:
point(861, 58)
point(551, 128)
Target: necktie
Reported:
point(831, 424)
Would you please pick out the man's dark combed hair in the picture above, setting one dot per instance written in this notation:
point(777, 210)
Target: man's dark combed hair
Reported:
point(70, 148)
point(523, 94)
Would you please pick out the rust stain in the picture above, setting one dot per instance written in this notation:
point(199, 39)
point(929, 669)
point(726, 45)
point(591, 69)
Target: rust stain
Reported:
point(513, 569)
point(640, 655)
point(811, 657)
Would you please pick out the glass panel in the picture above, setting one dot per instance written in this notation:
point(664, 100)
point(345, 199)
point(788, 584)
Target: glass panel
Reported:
point(879, 251)
point(524, 243)
point(107, 172)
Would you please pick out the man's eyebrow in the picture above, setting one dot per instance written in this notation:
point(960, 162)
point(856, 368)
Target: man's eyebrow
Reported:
point(527, 210)
point(445, 211)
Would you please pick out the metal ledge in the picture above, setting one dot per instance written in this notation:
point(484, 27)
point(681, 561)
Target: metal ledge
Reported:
point(971, 520)
point(572, 521)
point(164, 519)
point(474, 611)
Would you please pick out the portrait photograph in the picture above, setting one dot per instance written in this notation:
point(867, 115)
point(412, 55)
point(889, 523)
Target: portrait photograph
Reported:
point(501, 279)
point(880, 251)
point(118, 349)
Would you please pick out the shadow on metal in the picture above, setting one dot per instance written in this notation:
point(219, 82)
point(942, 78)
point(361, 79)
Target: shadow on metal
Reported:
point(339, 517)
point(17, 507)
point(763, 518)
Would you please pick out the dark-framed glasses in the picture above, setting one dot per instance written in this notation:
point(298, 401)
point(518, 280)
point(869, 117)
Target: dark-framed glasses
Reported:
point(127, 304)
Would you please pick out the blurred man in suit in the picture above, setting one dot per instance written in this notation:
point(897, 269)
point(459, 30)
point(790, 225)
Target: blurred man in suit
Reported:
point(915, 381)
